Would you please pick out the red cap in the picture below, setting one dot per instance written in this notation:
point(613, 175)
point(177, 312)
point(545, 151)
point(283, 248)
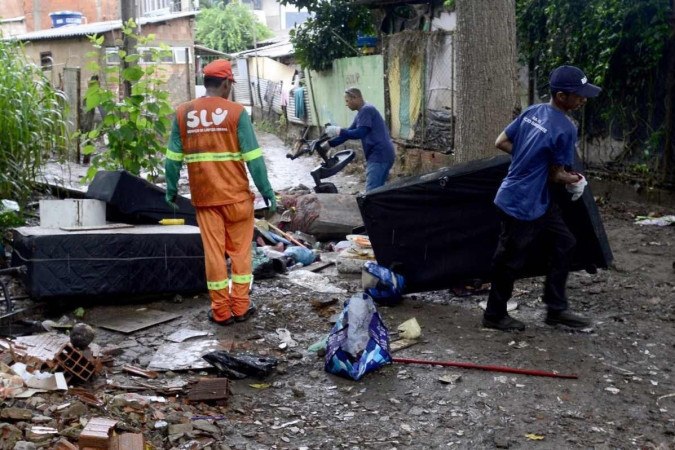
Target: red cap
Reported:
point(220, 68)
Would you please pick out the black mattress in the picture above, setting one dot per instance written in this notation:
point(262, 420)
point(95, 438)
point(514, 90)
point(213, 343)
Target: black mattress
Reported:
point(139, 260)
point(131, 199)
point(441, 229)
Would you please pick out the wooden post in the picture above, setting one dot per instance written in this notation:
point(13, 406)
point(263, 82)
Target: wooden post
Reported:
point(128, 11)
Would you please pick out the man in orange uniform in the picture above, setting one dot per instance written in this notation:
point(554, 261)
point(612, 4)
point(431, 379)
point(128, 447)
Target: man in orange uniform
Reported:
point(215, 137)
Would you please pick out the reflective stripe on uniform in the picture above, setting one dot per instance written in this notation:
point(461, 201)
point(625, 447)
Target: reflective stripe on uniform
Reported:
point(217, 285)
point(242, 279)
point(174, 156)
point(213, 157)
point(253, 154)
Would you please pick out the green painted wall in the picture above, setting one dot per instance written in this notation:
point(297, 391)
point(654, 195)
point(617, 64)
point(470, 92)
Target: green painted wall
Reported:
point(327, 88)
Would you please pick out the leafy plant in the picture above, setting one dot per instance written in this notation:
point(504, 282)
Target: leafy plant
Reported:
point(619, 44)
point(332, 32)
point(229, 28)
point(32, 122)
point(135, 127)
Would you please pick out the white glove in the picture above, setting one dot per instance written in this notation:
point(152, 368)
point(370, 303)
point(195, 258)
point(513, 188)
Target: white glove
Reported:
point(576, 189)
point(332, 131)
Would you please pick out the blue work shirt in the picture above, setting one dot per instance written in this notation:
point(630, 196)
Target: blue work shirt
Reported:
point(377, 145)
point(542, 136)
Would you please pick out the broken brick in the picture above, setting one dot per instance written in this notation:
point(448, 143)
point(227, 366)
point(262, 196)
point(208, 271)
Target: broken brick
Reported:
point(76, 363)
point(127, 441)
point(97, 433)
point(210, 389)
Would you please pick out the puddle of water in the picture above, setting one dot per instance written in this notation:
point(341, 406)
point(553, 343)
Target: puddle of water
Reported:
point(618, 192)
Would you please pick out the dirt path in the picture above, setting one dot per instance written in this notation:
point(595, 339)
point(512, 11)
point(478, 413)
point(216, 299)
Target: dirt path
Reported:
point(623, 397)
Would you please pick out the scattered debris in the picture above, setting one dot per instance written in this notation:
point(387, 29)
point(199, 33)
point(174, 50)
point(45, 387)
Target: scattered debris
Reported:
point(663, 221)
point(186, 355)
point(409, 329)
point(128, 320)
point(450, 379)
point(82, 335)
point(185, 334)
point(241, 365)
point(97, 432)
point(314, 282)
point(209, 389)
point(140, 372)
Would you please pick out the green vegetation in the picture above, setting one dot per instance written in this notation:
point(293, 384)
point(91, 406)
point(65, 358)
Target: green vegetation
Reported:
point(136, 127)
point(331, 34)
point(229, 28)
point(32, 123)
point(620, 44)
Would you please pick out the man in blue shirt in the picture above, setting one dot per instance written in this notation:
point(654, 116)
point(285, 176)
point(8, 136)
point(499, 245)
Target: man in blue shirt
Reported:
point(542, 142)
point(369, 126)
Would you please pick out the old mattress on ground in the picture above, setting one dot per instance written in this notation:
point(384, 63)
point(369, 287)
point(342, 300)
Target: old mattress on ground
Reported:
point(136, 260)
point(442, 228)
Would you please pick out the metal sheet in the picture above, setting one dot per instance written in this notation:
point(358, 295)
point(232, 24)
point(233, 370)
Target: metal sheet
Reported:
point(127, 320)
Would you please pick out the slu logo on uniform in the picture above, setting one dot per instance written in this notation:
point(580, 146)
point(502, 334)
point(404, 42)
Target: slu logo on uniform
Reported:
point(197, 118)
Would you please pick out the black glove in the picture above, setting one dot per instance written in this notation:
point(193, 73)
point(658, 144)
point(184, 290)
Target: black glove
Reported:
point(170, 200)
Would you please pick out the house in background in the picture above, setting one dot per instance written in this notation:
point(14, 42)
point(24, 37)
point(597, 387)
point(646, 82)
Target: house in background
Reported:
point(22, 16)
point(278, 18)
point(61, 51)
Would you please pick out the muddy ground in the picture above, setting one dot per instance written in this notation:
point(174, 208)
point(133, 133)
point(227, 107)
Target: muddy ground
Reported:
point(624, 396)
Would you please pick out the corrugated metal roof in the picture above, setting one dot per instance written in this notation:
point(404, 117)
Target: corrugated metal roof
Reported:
point(13, 19)
point(203, 49)
point(88, 29)
point(270, 51)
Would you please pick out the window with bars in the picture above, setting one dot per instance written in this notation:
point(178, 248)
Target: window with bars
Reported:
point(150, 7)
point(175, 56)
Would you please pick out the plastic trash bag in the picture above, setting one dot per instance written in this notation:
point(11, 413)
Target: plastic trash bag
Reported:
point(383, 285)
point(240, 365)
point(263, 266)
point(359, 318)
point(300, 255)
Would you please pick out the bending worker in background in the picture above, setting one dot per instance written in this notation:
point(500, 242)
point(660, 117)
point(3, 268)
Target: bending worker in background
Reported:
point(369, 126)
point(542, 143)
point(215, 138)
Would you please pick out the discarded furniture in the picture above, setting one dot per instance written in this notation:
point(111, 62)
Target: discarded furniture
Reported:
point(139, 260)
point(442, 228)
point(131, 199)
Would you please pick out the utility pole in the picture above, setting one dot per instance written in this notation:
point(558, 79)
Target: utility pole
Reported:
point(668, 171)
point(128, 12)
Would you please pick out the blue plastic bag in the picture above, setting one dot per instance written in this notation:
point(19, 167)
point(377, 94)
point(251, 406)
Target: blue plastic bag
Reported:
point(375, 352)
point(300, 255)
point(383, 285)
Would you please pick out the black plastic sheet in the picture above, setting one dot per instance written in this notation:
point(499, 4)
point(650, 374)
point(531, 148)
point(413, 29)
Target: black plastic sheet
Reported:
point(131, 199)
point(442, 228)
point(240, 365)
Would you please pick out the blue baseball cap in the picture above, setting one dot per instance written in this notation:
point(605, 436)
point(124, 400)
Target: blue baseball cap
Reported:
point(571, 79)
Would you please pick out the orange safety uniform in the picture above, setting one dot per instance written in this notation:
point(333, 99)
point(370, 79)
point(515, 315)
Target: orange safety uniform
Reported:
point(215, 137)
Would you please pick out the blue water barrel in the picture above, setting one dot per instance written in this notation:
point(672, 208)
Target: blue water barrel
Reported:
point(61, 18)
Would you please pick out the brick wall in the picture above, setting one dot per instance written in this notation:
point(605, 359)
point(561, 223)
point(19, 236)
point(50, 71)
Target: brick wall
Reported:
point(37, 11)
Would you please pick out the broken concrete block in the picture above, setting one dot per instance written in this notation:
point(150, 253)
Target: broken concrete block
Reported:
point(13, 413)
point(76, 363)
point(96, 433)
point(127, 441)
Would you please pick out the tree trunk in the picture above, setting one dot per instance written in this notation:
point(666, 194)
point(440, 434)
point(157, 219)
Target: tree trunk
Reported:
point(487, 80)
